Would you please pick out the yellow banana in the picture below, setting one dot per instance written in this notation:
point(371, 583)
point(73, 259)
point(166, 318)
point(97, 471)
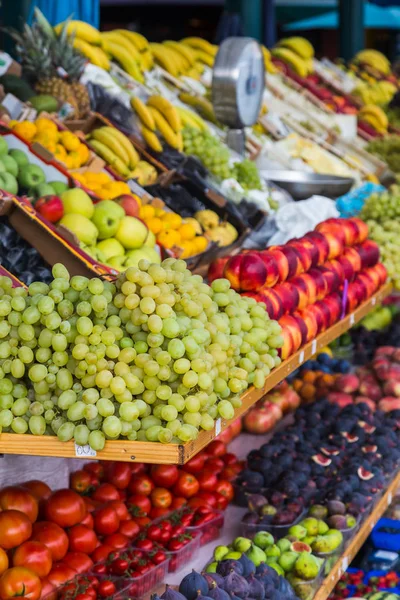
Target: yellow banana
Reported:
point(193, 73)
point(165, 59)
point(137, 39)
point(143, 113)
point(165, 129)
point(151, 139)
point(299, 45)
point(192, 117)
point(124, 58)
point(205, 58)
point(299, 65)
point(94, 53)
point(202, 105)
point(117, 38)
point(168, 111)
point(147, 59)
point(106, 138)
point(201, 44)
point(180, 58)
point(185, 51)
point(145, 173)
point(186, 119)
point(112, 159)
point(82, 30)
point(378, 115)
point(127, 144)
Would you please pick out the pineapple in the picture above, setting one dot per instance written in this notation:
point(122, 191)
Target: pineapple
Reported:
point(52, 64)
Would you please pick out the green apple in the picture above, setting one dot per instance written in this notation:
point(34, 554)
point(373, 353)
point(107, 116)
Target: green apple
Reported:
point(58, 186)
point(117, 262)
point(110, 248)
point(77, 201)
point(107, 216)
point(43, 189)
point(31, 176)
point(9, 183)
point(2, 167)
point(20, 157)
point(82, 227)
point(150, 240)
point(135, 256)
point(3, 146)
point(10, 164)
point(131, 232)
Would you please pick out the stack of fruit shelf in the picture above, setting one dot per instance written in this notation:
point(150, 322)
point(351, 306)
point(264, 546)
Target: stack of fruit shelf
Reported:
point(151, 452)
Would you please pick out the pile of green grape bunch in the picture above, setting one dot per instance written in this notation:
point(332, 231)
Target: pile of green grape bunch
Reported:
point(381, 212)
point(156, 356)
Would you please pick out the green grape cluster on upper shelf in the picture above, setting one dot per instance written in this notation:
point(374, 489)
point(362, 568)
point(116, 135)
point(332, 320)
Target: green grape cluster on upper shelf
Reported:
point(156, 356)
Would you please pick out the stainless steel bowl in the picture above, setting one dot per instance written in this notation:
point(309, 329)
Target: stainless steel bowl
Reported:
point(302, 185)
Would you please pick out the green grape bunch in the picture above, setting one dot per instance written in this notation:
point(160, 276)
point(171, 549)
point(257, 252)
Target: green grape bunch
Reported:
point(158, 355)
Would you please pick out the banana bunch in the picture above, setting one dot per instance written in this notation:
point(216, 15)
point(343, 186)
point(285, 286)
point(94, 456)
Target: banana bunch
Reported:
point(298, 64)
point(115, 149)
point(375, 92)
point(82, 31)
point(299, 45)
point(200, 104)
point(269, 65)
point(374, 116)
point(158, 115)
point(144, 173)
point(374, 59)
point(187, 57)
point(95, 54)
point(121, 49)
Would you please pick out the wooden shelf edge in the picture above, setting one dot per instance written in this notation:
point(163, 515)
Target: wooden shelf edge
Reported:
point(349, 554)
point(152, 452)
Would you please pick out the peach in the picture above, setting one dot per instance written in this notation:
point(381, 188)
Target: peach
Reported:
point(340, 399)
point(334, 304)
point(307, 288)
point(382, 272)
point(336, 245)
point(356, 294)
point(362, 228)
point(304, 254)
point(374, 275)
point(320, 283)
point(246, 272)
point(289, 296)
point(281, 262)
point(365, 400)
point(369, 253)
point(335, 266)
point(311, 246)
point(311, 323)
point(368, 281)
point(347, 383)
point(335, 227)
point(320, 317)
point(353, 256)
point(292, 336)
point(272, 302)
point(388, 404)
point(392, 388)
point(321, 242)
point(372, 390)
point(302, 326)
point(216, 269)
point(271, 264)
point(331, 278)
point(347, 267)
point(293, 259)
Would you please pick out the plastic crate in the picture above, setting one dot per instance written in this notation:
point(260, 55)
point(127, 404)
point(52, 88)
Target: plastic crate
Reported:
point(183, 556)
point(306, 590)
point(384, 540)
point(330, 558)
point(278, 531)
point(208, 531)
point(393, 590)
point(79, 584)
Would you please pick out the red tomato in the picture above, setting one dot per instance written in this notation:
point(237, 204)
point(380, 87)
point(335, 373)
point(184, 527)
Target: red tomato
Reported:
point(82, 539)
point(209, 497)
point(146, 545)
point(177, 502)
point(90, 504)
point(164, 476)
point(34, 556)
point(141, 484)
point(225, 488)
point(95, 468)
point(197, 501)
point(139, 504)
point(161, 498)
point(120, 508)
point(19, 581)
point(16, 498)
point(79, 561)
point(195, 464)
point(48, 590)
point(38, 489)
point(106, 589)
point(52, 536)
point(119, 474)
point(116, 540)
point(15, 528)
point(106, 520)
point(186, 486)
point(129, 528)
point(60, 573)
point(207, 481)
point(157, 512)
point(88, 521)
point(229, 473)
point(101, 553)
point(106, 492)
point(138, 468)
point(142, 521)
point(216, 448)
point(3, 561)
point(214, 464)
point(222, 501)
point(65, 507)
point(229, 458)
point(80, 481)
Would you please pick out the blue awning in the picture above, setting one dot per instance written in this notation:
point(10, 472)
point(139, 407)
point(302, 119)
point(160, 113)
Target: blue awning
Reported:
point(375, 17)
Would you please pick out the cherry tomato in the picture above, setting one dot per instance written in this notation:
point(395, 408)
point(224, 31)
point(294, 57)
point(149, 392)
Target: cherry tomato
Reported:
point(106, 520)
point(78, 561)
point(106, 588)
point(177, 530)
point(161, 498)
point(80, 481)
point(175, 545)
point(166, 525)
point(225, 488)
point(154, 532)
point(139, 504)
point(195, 464)
point(159, 557)
point(129, 528)
point(145, 544)
point(117, 540)
point(101, 553)
point(106, 492)
point(34, 556)
point(38, 489)
point(100, 569)
point(164, 476)
point(52, 536)
point(216, 448)
point(119, 566)
point(178, 502)
point(165, 536)
point(141, 484)
point(214, 464)
point(19, 581)
point(186, 486)
point(18, 498)
point(207, 481)
point(65, 508)
point(118, 473)
point(82, 539)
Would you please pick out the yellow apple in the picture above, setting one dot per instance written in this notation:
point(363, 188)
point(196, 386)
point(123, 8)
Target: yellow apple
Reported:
point(135, 256)
point(110, 248)
point(78, 202)
point(82, 227)
point(116, 262)
point(150, 240)
point(131, 232)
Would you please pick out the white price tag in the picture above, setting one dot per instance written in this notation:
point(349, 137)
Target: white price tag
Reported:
point(313, 347)
point(345, 563)
point(217, 426)
point(389, 498)
point(301, 357)
point(84, 451)
point(373, 301)
point(352, 319)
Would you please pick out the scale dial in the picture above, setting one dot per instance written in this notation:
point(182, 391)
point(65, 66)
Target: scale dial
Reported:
point(238, 82)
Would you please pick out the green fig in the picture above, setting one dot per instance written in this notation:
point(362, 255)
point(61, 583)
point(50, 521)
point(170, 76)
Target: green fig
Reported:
point(284, 544)
point(311, 525)
point(307, 566)
point(256, 555)
point(220, 552)
point(298, 531)
point(263, 539)
point(277, 568)
point(323, 528)
point(273, 551)
point(212, 567)
point(287, 560)
point(242, 544)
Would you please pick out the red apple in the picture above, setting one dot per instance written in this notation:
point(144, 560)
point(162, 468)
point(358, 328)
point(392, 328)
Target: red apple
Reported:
point(51, 208)
point(130, 204)
point(216, 269)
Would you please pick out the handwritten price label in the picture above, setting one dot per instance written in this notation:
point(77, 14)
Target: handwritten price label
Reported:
point(84, 451)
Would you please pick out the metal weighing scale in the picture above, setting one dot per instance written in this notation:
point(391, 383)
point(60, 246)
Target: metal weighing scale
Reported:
point(237, 87)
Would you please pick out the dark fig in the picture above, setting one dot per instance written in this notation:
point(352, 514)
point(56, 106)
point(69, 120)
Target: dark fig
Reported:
point(335, 507)
point(201, 597)
point(226, 566)
point(256, 588)
point(256, 501)
point(249, 567)
point(236, 584)
point(251, 518)
point(217, 593)
point(213, 578)
point(337, 522)
point(191, 584)
point(171, 594)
